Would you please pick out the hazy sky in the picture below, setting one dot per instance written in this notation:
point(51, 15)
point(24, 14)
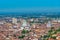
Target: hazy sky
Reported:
point(29, 5)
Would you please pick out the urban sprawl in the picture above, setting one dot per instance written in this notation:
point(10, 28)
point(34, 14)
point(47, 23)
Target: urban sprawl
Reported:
point(43, 28)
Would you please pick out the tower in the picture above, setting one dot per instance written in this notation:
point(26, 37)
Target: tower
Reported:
point(14, 20)
point(49, 24)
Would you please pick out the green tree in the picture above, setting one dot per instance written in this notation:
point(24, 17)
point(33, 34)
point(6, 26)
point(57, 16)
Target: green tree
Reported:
point(25, 31)
point(21, 36)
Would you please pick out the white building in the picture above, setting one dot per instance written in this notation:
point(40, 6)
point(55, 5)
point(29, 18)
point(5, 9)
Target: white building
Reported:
point(25, 25)
point(49, 24)
point(14, 20)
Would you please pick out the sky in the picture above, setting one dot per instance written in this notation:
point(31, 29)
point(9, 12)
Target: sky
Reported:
point(29, 5)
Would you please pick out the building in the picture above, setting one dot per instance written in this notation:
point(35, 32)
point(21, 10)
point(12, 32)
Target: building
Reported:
point(49, 24)
point(25, 25)
point(14, 20)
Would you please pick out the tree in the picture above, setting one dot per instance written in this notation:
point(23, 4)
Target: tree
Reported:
point(54, 37)
point(21, 36)
point(58, 30)
point(25, 31)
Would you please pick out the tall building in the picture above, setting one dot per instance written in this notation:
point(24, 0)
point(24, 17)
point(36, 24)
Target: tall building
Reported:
point(14, 20)
point(49, 24)
point(24, 24)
